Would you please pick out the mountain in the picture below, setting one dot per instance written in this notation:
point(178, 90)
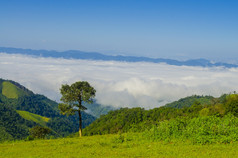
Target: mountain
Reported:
point(12, 125)
point(21, 109)
point(75, 54)
point(188, 101)
point(97, 109)
point(139, 119)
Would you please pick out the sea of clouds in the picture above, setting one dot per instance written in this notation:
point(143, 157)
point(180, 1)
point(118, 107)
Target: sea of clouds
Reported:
point(120, 84)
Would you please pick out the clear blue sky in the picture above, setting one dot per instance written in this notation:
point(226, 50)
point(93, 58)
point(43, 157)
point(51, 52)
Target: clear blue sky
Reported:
point(178, 29)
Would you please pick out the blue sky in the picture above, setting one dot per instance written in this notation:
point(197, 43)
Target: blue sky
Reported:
point(178, 29)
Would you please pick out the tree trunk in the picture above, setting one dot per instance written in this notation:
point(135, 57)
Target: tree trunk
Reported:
point(80, 124)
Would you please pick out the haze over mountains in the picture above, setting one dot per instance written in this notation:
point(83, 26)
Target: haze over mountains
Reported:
point(122, 83)
point(76, 54)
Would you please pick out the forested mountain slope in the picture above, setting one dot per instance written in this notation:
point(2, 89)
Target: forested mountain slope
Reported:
point(97, 109)
point(188, 101)
point(139, 119)
point(21, 109)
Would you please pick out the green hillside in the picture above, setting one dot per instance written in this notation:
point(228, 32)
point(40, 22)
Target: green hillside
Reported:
point(198, 119)
point(10, 91)
point(21, 109)
point(13, 90)
point(4, 135)
point(12, 125)
point(34, 117)
point(188, 101)
point(212, 121)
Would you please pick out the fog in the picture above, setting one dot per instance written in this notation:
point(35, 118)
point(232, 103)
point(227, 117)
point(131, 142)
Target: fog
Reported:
point(120, 84)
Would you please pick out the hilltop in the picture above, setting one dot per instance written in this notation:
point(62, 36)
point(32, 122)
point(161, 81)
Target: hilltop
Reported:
point(188, 101)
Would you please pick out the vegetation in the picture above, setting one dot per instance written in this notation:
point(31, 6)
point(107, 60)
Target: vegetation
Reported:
point(199, 130)
point(188, 101)
point(9, 90)
point(137, 119)
point(41, 120)
point(175, 130)
point(215, 122)
point(21, 109)
point(73, 97)
point(124, 145)
point(12, 125)
point(13, 90)
point(39, 132)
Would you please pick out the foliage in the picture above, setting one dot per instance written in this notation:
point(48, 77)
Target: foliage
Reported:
point(4, 135)
point(198, 119)
point(200, 123)
point(65, 126)
point(34, 110)
point(39, 132)
point(37, 104)
point(12, 125)
point(188, 101)
point(202, 130)
point(73, 97)
point(137, 119)
point(231, 104)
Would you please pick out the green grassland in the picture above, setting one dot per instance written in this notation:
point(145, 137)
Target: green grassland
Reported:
point(125, 145)
point(11, 91)
point(33, 117)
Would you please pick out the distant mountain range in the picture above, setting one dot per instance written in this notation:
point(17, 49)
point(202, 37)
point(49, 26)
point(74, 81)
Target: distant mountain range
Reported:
point(76, 54)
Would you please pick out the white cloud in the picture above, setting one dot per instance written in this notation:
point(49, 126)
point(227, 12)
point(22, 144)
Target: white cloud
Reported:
point(119, 83)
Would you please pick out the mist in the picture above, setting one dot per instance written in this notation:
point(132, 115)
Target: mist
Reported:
point(119, 84)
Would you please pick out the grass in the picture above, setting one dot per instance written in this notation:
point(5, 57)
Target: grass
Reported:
point(126, 145)
point(10, 90)
point(33, 117)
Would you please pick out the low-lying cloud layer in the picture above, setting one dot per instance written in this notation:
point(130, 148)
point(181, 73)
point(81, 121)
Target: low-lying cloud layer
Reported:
point(120, 84)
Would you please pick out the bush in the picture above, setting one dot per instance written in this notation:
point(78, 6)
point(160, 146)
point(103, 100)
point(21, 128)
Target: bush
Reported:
point(39, 132)
point(202, 130)
point(231, 104)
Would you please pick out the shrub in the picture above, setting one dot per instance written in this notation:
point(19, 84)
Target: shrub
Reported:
point(39, 132)
point(202, 130)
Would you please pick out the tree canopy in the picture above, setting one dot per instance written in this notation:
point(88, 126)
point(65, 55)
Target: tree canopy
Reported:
point(39, 132)
point(73, 97)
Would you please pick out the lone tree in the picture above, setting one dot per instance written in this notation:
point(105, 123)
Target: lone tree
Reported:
point(73, 97)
